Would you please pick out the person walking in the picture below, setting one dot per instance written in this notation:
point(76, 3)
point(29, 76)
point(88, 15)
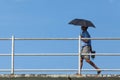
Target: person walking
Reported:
point(86, 49)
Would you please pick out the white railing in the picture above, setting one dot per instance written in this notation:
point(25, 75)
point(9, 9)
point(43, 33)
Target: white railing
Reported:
point(13, 54)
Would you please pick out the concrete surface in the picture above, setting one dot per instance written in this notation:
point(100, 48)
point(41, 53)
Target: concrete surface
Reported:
point(57, 77)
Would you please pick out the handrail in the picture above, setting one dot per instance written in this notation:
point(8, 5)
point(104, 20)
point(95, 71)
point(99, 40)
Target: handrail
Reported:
point(13, 54)
point(46, 38)
point(59, 38)
point(59, 54)
point(55, 70)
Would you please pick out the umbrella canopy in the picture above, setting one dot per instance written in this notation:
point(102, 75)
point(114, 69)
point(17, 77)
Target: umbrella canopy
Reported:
point(82, 22)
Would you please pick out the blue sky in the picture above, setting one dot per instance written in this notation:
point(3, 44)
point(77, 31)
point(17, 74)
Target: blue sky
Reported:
point(49, 19)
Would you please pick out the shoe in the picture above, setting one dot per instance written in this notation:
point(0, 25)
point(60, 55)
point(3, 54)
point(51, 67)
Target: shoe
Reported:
point(98, 72)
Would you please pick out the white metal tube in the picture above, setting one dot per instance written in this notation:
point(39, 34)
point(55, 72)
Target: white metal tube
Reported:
point(12, 56)
point(46, 54)
point(45, 70)
point(103, 54)
point(112, 70)
point(5, 70)
point(102, 38)
point(5, 38)
point(61, 70)
point(64, 38)
point(79, 54)
point(46, 38)
point(59, 54)
point(59, 38)
point(56, 70)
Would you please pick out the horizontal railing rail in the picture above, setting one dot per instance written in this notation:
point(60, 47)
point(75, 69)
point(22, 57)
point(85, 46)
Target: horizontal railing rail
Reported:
point(56, 70)
point(40, 54)
point(59, 38)
point(60, 54)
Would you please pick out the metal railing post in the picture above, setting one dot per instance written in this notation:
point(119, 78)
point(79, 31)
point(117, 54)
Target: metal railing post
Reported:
point(12, 56)
point(79, 55)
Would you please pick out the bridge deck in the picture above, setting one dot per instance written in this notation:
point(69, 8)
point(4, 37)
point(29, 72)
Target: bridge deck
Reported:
point(58, 77)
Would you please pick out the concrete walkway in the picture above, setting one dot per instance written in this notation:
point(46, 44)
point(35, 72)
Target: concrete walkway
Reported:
point(58, 77)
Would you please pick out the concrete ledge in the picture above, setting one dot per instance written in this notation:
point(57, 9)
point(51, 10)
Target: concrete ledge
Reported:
point(57, 75)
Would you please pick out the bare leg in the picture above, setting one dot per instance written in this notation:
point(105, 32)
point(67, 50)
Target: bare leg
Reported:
point(92, 64)
point(81, 63)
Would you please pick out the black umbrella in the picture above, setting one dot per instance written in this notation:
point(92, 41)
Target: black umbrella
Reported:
point(82, 22)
